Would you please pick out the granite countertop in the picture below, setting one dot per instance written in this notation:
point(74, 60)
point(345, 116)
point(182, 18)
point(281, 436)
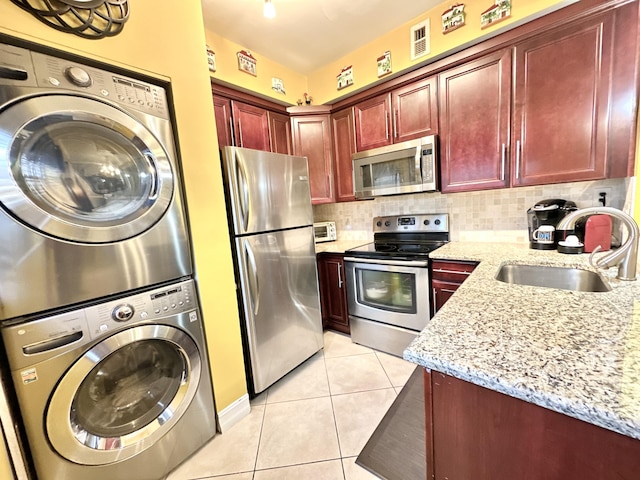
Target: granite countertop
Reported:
point(577, 353)
point(339, 246)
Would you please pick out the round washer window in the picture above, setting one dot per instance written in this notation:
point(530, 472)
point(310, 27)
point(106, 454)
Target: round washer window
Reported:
point(129, 389)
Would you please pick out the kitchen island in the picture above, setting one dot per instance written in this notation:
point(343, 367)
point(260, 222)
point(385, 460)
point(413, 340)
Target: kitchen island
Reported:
point(574, 353)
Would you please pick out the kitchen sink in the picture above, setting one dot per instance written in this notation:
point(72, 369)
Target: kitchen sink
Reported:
point(564, 278)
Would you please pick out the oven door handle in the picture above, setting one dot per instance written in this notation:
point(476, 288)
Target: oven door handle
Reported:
point(397, 263)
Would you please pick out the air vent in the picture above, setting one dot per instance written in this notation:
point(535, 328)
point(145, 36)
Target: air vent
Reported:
point(420, 40)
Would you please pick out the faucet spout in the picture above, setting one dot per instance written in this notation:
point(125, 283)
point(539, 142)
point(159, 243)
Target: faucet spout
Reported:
point(625, 257)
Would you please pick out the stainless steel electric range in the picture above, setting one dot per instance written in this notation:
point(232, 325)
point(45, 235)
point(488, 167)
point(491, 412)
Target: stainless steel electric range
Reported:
point(388, 283)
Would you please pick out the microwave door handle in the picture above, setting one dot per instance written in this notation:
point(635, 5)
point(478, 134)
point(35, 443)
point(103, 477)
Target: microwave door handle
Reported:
point(243, 193)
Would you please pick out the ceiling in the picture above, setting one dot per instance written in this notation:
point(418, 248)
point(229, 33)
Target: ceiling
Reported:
point(308, 34)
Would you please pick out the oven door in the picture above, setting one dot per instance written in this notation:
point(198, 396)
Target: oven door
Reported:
point(395, 292)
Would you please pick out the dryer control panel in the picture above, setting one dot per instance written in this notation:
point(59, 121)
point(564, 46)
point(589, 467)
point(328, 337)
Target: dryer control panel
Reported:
point(22, 67)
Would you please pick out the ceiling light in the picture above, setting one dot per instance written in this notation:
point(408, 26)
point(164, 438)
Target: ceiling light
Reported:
point(269, 9)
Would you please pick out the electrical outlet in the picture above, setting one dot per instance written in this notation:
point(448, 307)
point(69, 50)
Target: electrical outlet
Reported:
point(603, 197)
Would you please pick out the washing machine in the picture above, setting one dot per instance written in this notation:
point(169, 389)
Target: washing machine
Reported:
point(90, 191)
point(115, 390)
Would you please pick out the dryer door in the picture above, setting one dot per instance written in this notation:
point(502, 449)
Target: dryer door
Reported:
point(123, 394)
point(82, 170)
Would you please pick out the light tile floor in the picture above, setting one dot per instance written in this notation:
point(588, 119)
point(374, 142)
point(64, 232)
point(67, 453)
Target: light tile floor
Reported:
point(312, 424)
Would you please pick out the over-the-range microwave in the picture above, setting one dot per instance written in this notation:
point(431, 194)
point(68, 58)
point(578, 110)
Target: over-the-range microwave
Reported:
point(405, 167)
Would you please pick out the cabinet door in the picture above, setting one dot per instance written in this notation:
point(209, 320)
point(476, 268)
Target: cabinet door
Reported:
point(333, 295)
point(373, 122)
point(224, 122)
point(561, 102)
point(344, 145)
point(312, 139)
point(415, 110)
point(251, 126)
point(474, 124)
point(280, 133)
point(446, 277)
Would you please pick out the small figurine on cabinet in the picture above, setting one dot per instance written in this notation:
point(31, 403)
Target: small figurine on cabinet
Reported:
point(307, 99)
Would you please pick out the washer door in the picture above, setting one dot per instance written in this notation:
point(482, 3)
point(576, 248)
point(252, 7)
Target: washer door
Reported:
point(123, 394)
point(82, 170)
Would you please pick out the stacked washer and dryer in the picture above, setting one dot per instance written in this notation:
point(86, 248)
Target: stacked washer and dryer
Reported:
point(99, 317)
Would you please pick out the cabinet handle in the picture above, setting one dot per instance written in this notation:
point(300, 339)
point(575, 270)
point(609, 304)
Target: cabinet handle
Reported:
point(434, 294)
point(395, 124)
point(518, 159)
point(239, 133)
point(441, 270)
point(386, 125)
point(233, 137)
point(502, 166)
point(340, 282)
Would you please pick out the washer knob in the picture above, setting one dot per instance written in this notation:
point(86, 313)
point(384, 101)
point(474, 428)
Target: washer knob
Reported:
point(78, 76)
point(122, 313)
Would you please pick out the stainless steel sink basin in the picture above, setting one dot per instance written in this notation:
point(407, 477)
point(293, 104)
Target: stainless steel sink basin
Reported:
point(553, 277)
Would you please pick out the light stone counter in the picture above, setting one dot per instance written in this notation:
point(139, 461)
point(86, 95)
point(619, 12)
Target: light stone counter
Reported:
point(339, 246)
point(577, 353)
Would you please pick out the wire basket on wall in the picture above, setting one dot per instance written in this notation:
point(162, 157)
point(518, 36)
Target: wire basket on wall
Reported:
point(85, 18)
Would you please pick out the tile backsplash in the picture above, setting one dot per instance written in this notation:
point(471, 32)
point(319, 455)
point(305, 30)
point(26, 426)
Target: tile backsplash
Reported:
point(490, 215)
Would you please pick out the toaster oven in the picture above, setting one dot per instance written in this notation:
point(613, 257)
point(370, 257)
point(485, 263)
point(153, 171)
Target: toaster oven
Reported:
point(324, 231)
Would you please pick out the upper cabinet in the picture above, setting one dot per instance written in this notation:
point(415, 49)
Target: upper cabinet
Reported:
point(344, 146)
point(562, 97)
point(553, 108)
point(475, 110)
point(280, 133)
point(312, 139)
point(403, 114)
point(259, 126)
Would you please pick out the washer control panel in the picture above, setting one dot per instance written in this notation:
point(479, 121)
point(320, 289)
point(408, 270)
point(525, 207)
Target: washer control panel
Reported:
point(36, 340)
point(19, 66)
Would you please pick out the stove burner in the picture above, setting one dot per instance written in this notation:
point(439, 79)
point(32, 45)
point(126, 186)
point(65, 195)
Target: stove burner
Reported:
point(393, 239)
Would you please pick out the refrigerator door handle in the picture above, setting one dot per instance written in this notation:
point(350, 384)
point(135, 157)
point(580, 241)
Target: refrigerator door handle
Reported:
point(243, 194)
point(252, 279)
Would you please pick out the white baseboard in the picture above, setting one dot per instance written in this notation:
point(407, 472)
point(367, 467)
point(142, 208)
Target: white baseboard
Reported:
point(235, 412)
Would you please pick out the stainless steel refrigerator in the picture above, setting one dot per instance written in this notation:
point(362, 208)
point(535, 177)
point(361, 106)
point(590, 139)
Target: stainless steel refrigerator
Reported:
point(271, 221)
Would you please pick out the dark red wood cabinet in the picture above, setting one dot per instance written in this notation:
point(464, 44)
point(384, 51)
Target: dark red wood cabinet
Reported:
point(405, 113)
point(562, 96)
point(475, 106)
point(548, 109)
point(312, 139)
point(333, 292)
point(280, 133)
point(446, 277)
point(344, 146)
point(477, 433)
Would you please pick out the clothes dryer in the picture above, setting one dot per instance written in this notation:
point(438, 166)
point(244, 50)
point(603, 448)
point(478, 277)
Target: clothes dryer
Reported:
point(115, 390)
point(90, 191)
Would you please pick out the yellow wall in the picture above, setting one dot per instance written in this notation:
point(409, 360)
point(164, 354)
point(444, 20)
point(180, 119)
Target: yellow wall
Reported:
point(227, 71)
point(322, 84)
point(167, 39)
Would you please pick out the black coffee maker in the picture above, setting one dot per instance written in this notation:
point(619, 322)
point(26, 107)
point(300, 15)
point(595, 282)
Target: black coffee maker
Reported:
point(547, 212)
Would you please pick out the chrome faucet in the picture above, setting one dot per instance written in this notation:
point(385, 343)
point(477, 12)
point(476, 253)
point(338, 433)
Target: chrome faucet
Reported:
point(626, 257)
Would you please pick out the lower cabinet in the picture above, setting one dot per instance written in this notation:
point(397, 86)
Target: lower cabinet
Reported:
point(446, 277)
point(333, 292)
point(476, 433)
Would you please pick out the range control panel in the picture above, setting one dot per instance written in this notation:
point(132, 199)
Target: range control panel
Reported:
point(426, 222)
